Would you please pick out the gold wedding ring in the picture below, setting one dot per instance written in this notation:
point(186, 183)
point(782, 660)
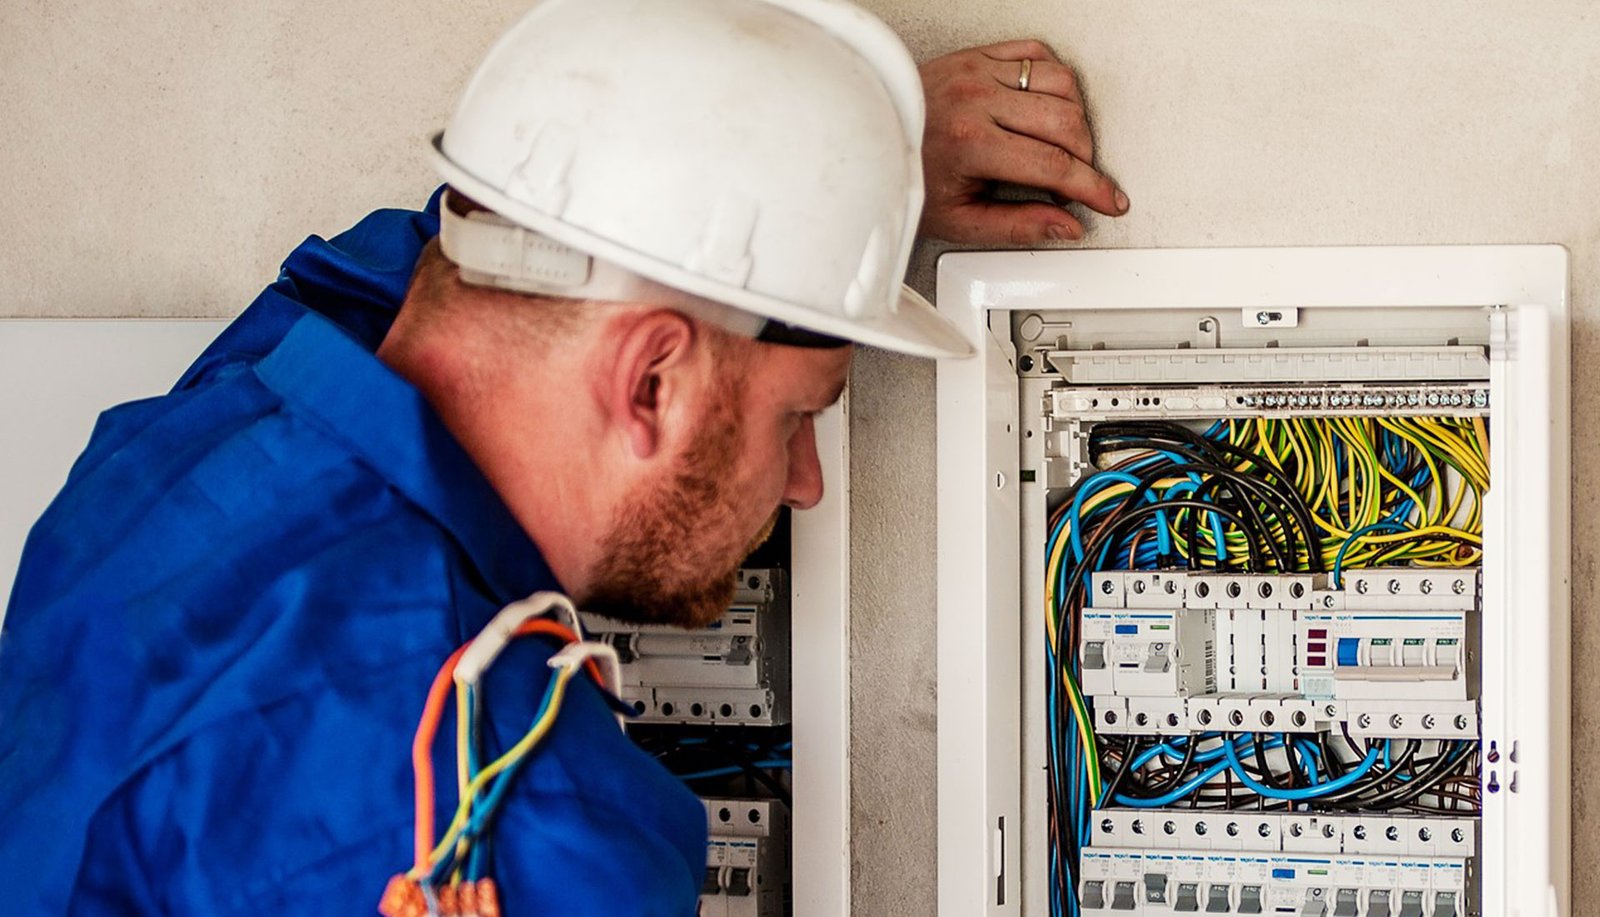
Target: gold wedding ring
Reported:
point(1027, 71)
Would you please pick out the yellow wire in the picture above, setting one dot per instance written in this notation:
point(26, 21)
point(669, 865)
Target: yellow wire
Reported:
point(524, 745)
point(463, 739)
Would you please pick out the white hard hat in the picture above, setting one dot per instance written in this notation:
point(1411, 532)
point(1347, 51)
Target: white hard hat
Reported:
point(763, 155)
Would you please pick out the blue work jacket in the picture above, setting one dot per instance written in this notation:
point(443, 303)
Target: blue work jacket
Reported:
point(224, 627)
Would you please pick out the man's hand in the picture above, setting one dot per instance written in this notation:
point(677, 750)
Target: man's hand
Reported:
point(983, 129)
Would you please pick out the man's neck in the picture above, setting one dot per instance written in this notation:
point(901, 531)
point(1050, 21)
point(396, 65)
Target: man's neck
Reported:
point(530, 438)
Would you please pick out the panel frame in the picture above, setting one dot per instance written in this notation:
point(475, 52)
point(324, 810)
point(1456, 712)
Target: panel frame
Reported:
point(982, 608)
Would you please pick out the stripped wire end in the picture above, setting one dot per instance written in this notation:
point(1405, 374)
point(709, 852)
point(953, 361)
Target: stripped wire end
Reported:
point(406, 897)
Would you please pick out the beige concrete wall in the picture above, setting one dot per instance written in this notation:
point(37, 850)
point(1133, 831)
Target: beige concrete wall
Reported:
point(164, 156)
point(1235, 123)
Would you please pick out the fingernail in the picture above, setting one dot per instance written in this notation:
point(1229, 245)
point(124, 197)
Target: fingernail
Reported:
point(1122, 202)
point(1059, 232)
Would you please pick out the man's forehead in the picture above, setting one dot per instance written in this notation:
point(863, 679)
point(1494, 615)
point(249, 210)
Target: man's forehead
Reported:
point(814, 376)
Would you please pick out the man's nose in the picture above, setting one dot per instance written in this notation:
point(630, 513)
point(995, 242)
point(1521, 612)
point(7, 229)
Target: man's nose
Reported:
point(804, 487)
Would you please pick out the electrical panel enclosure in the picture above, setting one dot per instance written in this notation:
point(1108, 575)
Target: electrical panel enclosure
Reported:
point(1253, 583)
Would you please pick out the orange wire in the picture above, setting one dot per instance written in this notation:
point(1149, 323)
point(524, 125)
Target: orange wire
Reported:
point(428, 727)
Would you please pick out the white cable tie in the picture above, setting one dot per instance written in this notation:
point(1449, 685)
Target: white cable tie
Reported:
point(487, 646)
point(573, 656)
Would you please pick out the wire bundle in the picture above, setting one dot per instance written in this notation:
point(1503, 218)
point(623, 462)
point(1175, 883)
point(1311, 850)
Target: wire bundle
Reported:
point(1258, 495)
point(451, 876)
point(711, 760)
point(1277, 771)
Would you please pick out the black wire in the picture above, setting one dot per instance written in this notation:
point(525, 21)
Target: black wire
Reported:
point(1159, 435)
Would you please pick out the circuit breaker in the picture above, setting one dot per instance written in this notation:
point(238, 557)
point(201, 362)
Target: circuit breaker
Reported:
point(1252, 583)
point(713, 706)
point(734, 672)
point(748, 867)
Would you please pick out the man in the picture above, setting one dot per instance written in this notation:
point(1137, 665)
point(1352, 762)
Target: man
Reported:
point(666, 223)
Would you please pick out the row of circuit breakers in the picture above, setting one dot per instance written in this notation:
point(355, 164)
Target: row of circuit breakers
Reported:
point(1390, 654)
point(735, 673)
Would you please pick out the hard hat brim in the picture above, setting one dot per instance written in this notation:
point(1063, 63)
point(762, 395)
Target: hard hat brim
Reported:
point(914, 327)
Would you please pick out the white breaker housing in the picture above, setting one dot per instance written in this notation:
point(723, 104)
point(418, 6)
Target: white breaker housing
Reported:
point(734, 672)
point(1391, 655)
point(747, 860)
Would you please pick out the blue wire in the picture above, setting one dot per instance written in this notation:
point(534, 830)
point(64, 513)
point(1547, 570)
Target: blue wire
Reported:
point(1321, 789)
point(1194, 783)
point(497, 791)
point(475, 864)
point(1308, 753)
point(1338, 559)
point(771, 764)
point(1174, 750)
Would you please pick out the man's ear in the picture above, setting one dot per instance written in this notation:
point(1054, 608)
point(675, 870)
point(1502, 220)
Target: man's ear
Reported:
point(649, 374)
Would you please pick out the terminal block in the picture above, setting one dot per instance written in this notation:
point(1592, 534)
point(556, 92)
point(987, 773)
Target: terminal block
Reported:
point(734, 672)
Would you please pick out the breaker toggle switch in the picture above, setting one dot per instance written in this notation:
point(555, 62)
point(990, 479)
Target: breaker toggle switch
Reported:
point(1122, 897)
point(1218, 900)
point(1250, 899)
point(1094, 654)
point(1155, 888)
point(739, 882)
point(1188, 899)
point(1444, 904)
point(1345, 902)
point(1378, 904)
point(1411, 904)
point(1158, 659)
point(1094, 895)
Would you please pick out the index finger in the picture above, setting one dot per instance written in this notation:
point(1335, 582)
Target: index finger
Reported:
point(1022, 160)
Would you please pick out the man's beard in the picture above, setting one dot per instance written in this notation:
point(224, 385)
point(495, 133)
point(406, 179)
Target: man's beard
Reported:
point(672, 556)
